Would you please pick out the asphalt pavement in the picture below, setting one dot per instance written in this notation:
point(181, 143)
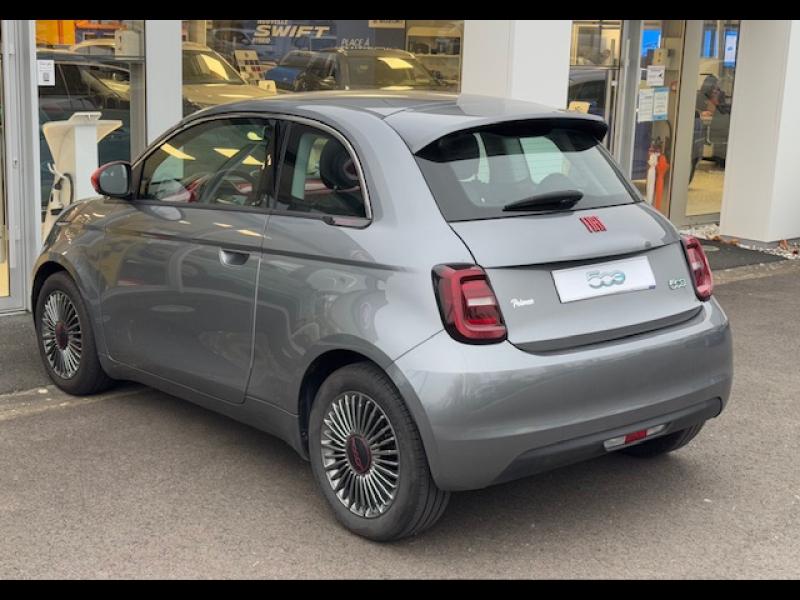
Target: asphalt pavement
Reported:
point(139, 484)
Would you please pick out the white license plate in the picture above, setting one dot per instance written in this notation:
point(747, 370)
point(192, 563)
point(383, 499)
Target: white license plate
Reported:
point(603, 279)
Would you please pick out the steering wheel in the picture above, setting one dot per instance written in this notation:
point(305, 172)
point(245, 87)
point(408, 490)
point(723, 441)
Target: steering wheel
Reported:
point(220, 181)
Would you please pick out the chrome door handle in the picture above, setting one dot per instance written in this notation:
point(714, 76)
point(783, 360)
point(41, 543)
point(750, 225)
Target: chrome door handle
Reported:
point(233, 258)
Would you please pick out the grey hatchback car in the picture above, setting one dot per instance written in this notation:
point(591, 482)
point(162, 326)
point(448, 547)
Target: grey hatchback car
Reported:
point(420, 293)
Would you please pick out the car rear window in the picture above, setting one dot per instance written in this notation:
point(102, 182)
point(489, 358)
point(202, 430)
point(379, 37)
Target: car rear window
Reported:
point(474, 173)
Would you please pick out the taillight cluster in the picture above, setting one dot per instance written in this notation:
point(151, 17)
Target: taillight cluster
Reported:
point(698, 267)
point(468, 305)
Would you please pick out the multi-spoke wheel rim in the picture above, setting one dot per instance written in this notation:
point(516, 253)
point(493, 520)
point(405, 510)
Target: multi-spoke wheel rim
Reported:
point(360, 455)
point(62, 337)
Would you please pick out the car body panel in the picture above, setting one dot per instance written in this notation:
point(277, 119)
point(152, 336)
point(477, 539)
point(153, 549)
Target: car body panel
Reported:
point(171, 307)
point(488, 405)
point(485, 412)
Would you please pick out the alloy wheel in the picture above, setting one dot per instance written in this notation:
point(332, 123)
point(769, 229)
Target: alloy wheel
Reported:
point(61, 333)
point(360, 454)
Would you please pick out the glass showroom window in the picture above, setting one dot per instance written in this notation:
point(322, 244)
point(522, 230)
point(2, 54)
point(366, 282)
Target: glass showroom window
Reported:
point(225, 61)
point(594, 68)
point(88, 66)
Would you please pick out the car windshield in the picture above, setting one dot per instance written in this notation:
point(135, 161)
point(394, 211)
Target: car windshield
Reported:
point(475, 174)
point(208, 67)
point(296, 59)
point(388, 71)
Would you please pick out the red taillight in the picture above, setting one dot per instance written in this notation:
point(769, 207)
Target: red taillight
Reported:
point(468, 305)
point(698, 267)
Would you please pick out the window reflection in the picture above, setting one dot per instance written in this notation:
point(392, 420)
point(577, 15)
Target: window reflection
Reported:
point(286, 56)
point(713, 109)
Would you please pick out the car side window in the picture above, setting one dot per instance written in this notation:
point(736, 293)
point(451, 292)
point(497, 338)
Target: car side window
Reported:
point(321, 67)
point(74, 80)
point(219, 162)
point(318, 175)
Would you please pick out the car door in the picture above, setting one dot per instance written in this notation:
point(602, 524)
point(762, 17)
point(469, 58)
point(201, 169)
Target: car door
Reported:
point(182, 257)
point(317, 280)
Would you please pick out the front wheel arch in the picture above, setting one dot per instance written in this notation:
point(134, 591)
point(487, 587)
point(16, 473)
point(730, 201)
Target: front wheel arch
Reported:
point(43, 273)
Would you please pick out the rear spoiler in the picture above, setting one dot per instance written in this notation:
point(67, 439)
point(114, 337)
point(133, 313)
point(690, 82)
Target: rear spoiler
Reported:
point(594, 126)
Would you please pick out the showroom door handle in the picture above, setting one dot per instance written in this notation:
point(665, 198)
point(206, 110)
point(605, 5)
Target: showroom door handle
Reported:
point(233, 258)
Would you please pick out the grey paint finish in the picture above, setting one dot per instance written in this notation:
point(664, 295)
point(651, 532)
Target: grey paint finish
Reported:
point(488, 405)
point(419, 118)
point(178, 301)
point(172, 312)
point(548, 320)
point(561, 237)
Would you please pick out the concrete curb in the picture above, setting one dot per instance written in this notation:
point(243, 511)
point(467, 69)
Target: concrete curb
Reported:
point(783, 267)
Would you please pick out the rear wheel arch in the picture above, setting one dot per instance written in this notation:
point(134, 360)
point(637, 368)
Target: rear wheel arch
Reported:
point(329, 362)
point(315, 375)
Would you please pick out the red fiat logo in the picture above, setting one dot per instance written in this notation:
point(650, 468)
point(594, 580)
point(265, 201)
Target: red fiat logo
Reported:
point(359, 454)
point(593, 224)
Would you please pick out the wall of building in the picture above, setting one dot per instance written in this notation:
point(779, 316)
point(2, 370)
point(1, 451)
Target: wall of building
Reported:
point(525, 60)
point(761, 199)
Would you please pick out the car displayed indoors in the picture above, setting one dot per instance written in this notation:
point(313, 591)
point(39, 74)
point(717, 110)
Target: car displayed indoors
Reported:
point(353, 69)
point(208, 79)
point(227, 40)
point(285, 73)
point(420, 293)
point(83, 84)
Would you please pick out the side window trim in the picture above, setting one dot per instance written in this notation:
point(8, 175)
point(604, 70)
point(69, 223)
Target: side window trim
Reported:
point(264, 183)
point(343, 221)
point(285, 130)
point(284, 122)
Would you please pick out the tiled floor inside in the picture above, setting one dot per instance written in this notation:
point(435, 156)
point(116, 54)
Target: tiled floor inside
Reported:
point(705, 190)
point(3, 279)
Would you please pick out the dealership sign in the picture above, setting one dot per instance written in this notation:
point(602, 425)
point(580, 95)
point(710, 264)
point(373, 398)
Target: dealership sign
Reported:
point(283, 29)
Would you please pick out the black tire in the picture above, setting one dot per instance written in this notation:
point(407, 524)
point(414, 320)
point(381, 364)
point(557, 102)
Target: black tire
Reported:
point(417, 503)
point(664, 444)
point(88, 377)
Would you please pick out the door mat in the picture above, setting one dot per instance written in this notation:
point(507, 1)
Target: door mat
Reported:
point(728, 256)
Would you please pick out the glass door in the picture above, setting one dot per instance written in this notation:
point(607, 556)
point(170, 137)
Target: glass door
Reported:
point(5, 274)
point(12, 280)
point(716, 71)
point(657, 111)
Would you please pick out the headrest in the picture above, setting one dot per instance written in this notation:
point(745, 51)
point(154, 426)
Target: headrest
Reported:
point(336, 167)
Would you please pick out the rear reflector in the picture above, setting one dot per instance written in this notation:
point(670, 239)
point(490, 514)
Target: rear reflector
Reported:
point(630, 438)
point(698, 267)
point(468, 306)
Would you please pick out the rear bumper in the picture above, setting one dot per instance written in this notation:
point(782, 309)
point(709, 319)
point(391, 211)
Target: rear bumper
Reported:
point(489, 414)
point(591, 446)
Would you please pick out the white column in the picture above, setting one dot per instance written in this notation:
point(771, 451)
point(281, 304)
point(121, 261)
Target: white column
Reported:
point(524, 60)
point(761, 195)
point(163, 76)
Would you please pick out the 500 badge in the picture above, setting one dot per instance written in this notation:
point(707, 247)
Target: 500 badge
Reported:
point(597, 279)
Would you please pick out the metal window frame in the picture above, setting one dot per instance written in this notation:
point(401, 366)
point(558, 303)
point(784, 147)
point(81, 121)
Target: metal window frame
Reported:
point(22, 185)
point(184, 125)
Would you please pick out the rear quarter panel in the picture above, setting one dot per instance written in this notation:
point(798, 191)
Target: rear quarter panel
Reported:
point(369, 290)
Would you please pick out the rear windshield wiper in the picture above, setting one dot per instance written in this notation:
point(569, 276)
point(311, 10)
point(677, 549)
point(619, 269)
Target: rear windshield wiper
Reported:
point(559, 199)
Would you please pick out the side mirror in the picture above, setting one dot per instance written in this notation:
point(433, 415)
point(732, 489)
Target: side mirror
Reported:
point(113, 179)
